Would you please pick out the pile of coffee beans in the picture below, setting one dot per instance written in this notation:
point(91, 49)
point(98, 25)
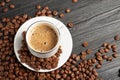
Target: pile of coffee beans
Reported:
point(35, 62)
point(6, 7)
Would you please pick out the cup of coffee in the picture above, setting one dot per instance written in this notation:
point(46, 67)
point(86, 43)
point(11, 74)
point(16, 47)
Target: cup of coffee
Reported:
point(42, 38)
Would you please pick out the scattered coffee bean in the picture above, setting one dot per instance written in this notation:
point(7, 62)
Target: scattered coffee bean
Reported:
point(55, 13)
point(108, 46)
point(98, 54)
point(7, 1)
point(99, 58)
point(109, 58)
point(61, 15)
point(5, 9)
point(88, 51)
point(38, 7)
point(85, 44)
point(106, 50)
point(94, 61)
point(77, 58)
point(104, 56)
point(74, 1)
point(2, 4)
point(115, 54)
point(67, 10)
point(101, 50)
point(105, 44)
point(114, 46)
point(98, 66)
point(117, 37)
point(12, 6)
point(70, 24)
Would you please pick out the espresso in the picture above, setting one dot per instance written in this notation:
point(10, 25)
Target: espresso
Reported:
point(43, 38)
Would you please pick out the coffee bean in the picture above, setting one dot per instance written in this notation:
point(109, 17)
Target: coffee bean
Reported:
point(67, 10)
point(77, 58)
point(38, 7)
point(83, 53)
point(109, 58)
point(105, 44)
point(104, 56)
point(55, 13)
point(61, 15)
point(83, 57)
point(7, 1)
point(101, 50)
point(88, 51)
point(98, 66)
point(2, 4)
point(70, 24)
point(108, 46)
point(12, 6)
point(98, 54)
point(74, 1)
point(85, 44)
point(73, 55)
point(114, 46)
point(114, 50)
point(115, 54)
point(99, 58)
point(117, 37)
point(106, 50)
point(5, 9)
point(93, 61)
point(100, 62)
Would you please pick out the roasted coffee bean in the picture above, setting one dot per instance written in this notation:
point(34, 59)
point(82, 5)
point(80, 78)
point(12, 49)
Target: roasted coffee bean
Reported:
point(73, 55)
point(98, 54)
point(99, 58)
point(61, 15)
point(77, 58)
point(83, 53)
point(88, 51)
point(85, 44)
point(117, 37)
point(109, 46)
point(94, 61)
point(5, 9)
point(12, 6)
point(38, 7)
point(106, 50)
point(67, 10)
point(83, 57)
point(70, 24)
point(105, 44)
point(115, 54)
point(98, 66)
point(114, 46)
point(2, 4)
point(104, 56)
point(7, 1)
point(74, 1)
point(109, 58)
point(100, 62)
point(101, 50)
point(55, 13)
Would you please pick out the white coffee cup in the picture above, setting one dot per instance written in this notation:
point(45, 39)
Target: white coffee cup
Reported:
point(43, 54)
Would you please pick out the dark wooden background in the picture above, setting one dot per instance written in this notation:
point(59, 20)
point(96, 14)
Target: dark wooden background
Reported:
point(95, 21)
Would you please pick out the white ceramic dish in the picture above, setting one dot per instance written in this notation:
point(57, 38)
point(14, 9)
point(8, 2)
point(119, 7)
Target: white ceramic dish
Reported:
point(65, 42)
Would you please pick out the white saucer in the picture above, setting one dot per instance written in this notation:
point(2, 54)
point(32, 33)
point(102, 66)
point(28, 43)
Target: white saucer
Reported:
point(66, 41)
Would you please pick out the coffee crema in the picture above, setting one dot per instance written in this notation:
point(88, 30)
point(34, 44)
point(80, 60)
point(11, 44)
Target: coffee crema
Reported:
point(43, 38)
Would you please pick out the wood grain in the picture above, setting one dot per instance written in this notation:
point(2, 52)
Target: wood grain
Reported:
point(95, 21)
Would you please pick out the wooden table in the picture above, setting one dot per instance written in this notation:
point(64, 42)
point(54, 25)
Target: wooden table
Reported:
point(95, 21)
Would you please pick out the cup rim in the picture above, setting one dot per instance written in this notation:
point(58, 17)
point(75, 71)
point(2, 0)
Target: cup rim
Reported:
point(58, 35)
